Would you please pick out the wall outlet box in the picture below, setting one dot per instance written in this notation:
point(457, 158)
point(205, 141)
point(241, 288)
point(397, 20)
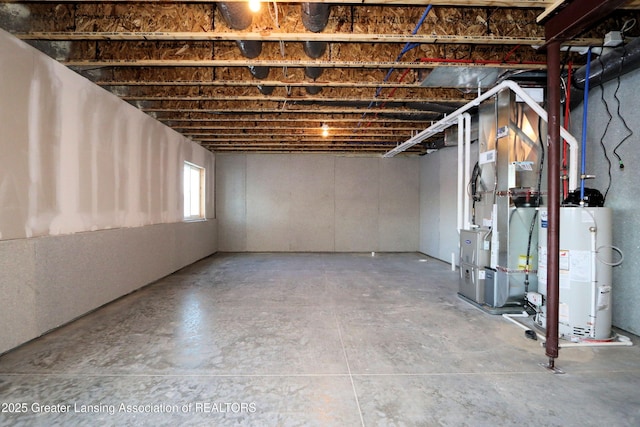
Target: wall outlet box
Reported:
point(613, 39)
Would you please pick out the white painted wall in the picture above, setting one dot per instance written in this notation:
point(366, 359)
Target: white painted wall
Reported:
point(90, 196)
point(317, 203)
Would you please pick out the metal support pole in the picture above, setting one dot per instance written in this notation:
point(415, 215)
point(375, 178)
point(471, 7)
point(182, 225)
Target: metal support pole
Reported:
point(553, 177)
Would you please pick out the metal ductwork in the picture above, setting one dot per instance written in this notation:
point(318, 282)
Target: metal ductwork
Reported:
point(238, 17)
point(313, 90)
point(313, 72)
point(619, 61)
point(315, 17)
point(259, 72)
point(266, 90)
point(315, 49)
point(250, 48)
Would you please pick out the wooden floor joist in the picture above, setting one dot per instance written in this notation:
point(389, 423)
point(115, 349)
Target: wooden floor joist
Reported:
point(268, 36)
point(181, 63)
point(428, 64)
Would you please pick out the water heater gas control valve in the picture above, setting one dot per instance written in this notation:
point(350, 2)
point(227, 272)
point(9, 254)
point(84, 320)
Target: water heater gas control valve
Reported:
point(534, 298)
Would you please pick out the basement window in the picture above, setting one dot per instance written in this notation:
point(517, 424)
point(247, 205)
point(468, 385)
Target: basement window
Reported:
point(193, 191)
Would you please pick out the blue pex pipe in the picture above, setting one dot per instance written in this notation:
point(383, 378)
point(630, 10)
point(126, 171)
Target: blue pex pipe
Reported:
point(407, 47)
point(585, 114)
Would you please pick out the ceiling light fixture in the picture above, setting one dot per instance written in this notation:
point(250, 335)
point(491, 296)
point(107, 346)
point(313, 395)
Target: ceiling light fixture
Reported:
point(254, 5)
point(325, 130)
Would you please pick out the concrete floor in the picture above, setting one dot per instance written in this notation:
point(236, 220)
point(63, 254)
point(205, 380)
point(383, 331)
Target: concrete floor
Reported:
point(309, 340)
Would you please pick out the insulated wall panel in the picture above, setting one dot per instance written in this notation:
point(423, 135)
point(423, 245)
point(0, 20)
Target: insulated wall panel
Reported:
point(357, 204)
point(312, 207)
point(448, 233)
point(19, 292)
point(231, 206)
point(399, 206)
point(49, 281)
point(620, 184)
point(268, 202)
point(90, 196)
point(430, 205)
point(317, 203)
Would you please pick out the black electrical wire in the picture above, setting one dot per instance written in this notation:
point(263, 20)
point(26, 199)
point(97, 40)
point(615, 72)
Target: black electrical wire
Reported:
point(606, 129)
point(624, 122)
point(565, 61)
point(475, 196)
point(542, 155)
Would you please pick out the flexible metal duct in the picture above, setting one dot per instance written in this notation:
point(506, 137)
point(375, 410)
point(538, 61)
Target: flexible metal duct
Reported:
point(238, 17)
point(259, 72)
point(610, 65)
point(266, 90)
point(315, 17)
point(313, 72)
point(250, 48)
point(313, 90)
point(315, 49)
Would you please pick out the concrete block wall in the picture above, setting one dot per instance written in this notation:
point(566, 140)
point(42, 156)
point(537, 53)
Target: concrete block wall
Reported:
point(317, 203)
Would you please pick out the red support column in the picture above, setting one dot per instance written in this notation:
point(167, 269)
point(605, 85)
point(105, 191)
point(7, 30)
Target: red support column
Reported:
point(553, 179)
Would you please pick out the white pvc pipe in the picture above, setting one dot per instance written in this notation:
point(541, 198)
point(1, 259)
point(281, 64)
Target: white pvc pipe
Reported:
point(467, 169)
point(460, 172)
point(451, 119)
point(510, 317)
point(595, 344)
point(623, 341)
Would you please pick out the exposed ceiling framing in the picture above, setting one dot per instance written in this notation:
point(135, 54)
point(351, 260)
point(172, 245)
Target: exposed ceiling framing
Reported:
point(181, 63)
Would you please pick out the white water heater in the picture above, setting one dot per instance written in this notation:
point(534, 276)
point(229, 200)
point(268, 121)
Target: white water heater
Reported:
point(585, 266)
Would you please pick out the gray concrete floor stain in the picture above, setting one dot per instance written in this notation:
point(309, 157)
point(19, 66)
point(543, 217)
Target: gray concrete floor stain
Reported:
point(309, 340)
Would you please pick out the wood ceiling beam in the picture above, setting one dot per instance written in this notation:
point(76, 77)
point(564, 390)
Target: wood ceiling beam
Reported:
point(576, 17)
point(289, 110)
point(274, 37)
point(242, 127)
point(316, 119)
point(310, 133)
point(353, 151)
point(350, 149)
point(270, 98)
point(530, 4)
point(256, 82)
point(300, 63)
point(305, 138)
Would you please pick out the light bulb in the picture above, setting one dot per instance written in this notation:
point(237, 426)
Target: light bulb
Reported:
point(254, 5)
point(325, 130)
